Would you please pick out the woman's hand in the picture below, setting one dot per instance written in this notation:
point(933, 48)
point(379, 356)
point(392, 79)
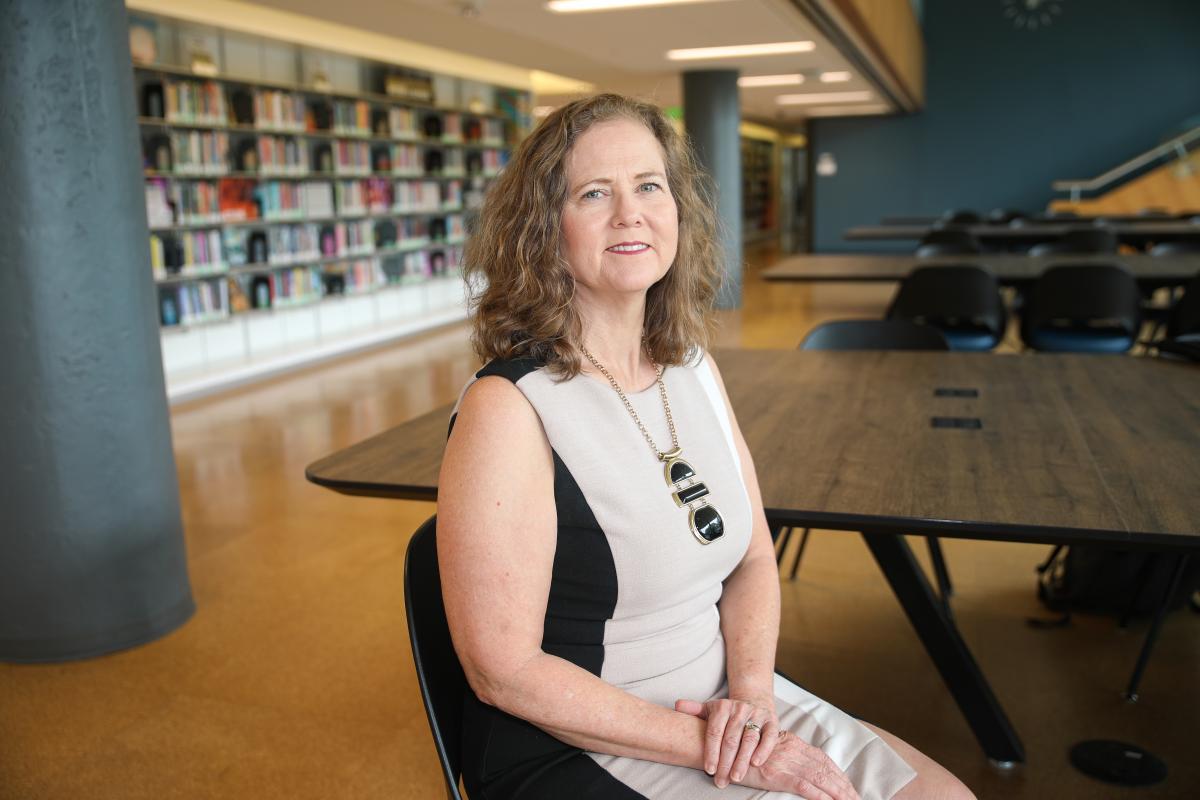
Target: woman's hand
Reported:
point(741, 732)
point(799, 768)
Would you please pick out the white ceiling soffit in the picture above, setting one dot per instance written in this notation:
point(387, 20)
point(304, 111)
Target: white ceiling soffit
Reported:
point(620, 50)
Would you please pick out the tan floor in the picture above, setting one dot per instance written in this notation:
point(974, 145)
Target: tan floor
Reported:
point(294, 679)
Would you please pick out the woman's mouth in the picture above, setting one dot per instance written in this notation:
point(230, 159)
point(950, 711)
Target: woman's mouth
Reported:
point(628, 248)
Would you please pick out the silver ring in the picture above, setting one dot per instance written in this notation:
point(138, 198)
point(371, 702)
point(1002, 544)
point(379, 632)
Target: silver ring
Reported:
point(751, 725)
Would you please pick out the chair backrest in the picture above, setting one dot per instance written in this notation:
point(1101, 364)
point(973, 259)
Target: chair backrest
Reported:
point(959, 216)
point(874, 334)
point(1079, 240)
point(1181, 247)
point(948, 242)
point(1185, 314)
point(951, 297)
point(439, 673)
point(1076, 296)
point(1004, 216)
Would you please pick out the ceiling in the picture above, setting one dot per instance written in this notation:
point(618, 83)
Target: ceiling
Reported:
point(619, 50)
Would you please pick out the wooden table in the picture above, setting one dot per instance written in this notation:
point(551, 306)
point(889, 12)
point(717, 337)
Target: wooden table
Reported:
point(1069, 449)
point(1134, 233)
point(1151, 272)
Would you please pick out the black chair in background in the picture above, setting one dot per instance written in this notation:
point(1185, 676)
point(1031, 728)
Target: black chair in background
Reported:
point(1158, 310)
point(1078, 308)
point(962, 301)
point(1185, 314)
point(439, 673)
point(872, 334)
point(1182, 247)
point(1004, 216)
point(959, 216)
point(1079, 240)
point(948, 242)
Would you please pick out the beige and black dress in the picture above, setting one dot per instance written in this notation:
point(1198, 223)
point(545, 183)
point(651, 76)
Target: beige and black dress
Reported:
point(633, 596)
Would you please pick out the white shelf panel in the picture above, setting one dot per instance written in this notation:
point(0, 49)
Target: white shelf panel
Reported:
point(250, 347)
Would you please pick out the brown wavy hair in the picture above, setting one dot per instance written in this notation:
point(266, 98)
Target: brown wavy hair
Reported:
point(521, 286)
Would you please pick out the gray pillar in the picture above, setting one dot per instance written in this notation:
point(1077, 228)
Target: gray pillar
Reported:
point(91, 541)
point(712, 114)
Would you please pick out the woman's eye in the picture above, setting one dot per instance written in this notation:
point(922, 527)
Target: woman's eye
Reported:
point(649, 187)
point(594, 194)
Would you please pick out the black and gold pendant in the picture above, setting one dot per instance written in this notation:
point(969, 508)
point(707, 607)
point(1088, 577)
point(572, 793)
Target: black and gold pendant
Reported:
point(706, 524)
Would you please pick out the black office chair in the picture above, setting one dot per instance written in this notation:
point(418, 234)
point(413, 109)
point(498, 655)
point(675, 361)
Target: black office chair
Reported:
point(1004, 216)
point(1079, 240)
point(1185, 314)
point(1083, 308)
point(963, 302)
point(958, 216)
point(1182, 247)
point(948, 242)
point(439, 674)
point(872, 334)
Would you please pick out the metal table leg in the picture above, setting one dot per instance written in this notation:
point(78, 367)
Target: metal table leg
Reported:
point(945, 646)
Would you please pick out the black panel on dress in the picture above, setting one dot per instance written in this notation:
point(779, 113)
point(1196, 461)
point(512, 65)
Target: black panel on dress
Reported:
point(504, 757)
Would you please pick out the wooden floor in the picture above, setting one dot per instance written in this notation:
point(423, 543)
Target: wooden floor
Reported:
point(294, 679)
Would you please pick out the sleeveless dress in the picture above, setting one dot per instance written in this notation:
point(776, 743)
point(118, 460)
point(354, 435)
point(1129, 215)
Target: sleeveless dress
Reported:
point(633, 596)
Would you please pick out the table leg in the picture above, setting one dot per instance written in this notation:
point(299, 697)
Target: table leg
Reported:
point(946, 647)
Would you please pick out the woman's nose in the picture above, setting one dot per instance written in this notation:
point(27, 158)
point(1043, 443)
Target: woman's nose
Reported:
point(626, 213)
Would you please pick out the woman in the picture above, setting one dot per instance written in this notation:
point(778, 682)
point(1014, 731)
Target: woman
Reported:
point(609, 578)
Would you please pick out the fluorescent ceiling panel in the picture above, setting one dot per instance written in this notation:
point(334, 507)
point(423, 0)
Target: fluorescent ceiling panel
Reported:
point(740, 51)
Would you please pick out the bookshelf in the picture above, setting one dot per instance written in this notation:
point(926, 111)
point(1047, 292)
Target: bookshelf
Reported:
point(302, 203)
point(758, 193)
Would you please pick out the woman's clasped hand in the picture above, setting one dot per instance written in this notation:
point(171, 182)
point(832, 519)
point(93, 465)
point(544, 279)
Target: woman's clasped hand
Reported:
point(743, 743)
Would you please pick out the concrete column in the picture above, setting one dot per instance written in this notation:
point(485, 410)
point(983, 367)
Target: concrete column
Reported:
point(91, 540)
point(711, 115)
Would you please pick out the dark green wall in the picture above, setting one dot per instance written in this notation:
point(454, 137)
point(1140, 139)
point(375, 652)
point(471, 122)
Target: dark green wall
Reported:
point(1008, 111)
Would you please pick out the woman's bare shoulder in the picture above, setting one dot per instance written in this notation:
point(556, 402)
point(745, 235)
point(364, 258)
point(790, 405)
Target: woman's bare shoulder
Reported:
point(496, 429)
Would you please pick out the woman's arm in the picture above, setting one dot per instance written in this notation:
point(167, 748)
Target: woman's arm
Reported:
point(497, 531)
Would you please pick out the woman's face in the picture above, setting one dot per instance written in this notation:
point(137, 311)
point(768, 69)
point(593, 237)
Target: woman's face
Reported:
point(620, 225)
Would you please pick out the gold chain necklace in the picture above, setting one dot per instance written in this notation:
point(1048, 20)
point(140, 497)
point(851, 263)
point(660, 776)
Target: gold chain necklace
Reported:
point(703, 519)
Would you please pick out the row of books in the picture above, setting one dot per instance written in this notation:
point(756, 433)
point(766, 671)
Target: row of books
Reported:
point(189, 252)
point(239, 200)
point(347, 238)
point(282, 155)
point(209, 153)
point(418, 196)
point(279, 110)
point(352, 158)
point(186, 101)
point(195, 101)
point(198, 253)
point(209, 300)
point(190, 152)
point(352, 117)
point(402, 123)
point(193, 303)
point(353, 277)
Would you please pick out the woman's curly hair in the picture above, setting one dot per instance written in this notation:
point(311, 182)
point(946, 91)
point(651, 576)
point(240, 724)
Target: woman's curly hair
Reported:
point(521, 287)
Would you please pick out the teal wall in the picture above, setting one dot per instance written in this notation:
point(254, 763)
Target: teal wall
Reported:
point(1009, 111)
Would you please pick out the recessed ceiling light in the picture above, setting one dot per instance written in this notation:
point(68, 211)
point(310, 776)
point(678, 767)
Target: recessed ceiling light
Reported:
point(572, 6)
point(738, 50)
point(821, 98)
point(835, 77)
point(750, 81)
